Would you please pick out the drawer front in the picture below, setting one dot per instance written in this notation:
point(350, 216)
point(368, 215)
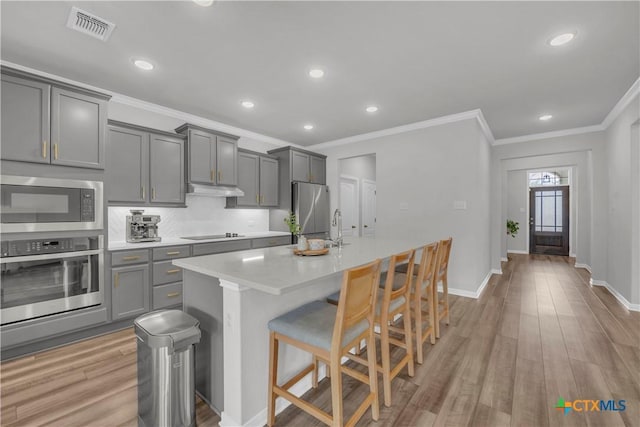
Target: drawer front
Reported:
point(165, 272)
point(172, 252)
point(167, 295)
point(219, 247)
point(271, 241)
point(129, 257)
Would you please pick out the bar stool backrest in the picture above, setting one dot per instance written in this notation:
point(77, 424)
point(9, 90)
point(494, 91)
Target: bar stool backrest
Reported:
point(390, 293)
point(443, 254)
point(428, 264)
point(357, 299)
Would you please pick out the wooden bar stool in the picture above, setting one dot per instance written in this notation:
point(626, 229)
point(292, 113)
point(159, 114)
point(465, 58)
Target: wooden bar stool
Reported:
point(423, 292)
point(328, 332)
point(394, 299)
point(442, 303)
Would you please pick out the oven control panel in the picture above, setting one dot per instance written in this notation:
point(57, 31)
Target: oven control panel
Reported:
point(15, 248)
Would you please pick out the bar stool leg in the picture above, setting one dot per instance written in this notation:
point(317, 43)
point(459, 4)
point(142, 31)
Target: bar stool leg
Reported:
point(436, 310)
point(445, 291)
point(386, 362)
point(373, 375)
point(417, 308)
point(408, 340)
point(273, 377)
point(336, 389)
point(314, 374)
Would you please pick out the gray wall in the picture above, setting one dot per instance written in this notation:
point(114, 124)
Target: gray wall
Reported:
point(362, 167)
point(517, 190)
point(427, 170)
point(623, 198)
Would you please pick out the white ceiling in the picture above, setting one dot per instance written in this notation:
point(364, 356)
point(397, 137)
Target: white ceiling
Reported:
point(416, 60)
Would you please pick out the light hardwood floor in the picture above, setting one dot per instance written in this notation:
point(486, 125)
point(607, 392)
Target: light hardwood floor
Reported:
point(537, 333)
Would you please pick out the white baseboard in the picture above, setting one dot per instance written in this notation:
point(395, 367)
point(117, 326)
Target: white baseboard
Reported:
point(572, 255)
point(515, 251)
point(585, 266)
point(504, 259)
point(496, 271)
point(471, 294)
point(616, 294)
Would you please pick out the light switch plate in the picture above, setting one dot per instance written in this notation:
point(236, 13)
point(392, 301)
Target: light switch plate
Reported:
point(460, 204)
point(404, 206)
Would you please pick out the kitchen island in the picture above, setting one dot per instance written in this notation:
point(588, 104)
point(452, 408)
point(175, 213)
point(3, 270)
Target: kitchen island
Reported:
point(234, 295)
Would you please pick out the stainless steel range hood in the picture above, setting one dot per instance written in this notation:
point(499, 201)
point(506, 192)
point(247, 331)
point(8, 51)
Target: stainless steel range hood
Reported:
point(213, 191)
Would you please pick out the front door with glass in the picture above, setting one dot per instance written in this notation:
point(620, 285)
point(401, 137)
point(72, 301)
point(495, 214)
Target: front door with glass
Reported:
point(549, 220)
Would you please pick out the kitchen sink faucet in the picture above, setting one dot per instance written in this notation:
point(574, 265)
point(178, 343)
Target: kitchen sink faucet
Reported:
point(337, 222)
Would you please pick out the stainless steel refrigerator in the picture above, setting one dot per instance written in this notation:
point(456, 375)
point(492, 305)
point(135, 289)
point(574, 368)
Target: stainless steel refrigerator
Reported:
point(311, 206)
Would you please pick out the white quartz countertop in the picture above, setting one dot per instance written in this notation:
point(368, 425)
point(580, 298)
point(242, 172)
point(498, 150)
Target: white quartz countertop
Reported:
point(175, 241)
point(277, 270)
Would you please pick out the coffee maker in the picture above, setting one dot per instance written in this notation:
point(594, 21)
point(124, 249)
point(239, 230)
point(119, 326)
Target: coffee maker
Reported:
point(142, 228)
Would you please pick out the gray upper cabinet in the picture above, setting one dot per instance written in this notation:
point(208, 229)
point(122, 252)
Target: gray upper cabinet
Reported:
point(45, 121)
point(258, 178)
point(227, 161)
point(25, 120)
point(317, 166)
point(144, 166)
point(77, 129)
point(248, 179)
point(202, 157)
point(167, 169)
point(300, 168)
point(212, 157)
point(268, 182)
point(127, 166)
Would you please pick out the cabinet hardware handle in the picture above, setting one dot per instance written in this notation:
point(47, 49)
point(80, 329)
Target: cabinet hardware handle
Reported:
point(153, 193)
point(213, 174)
point(366, 226)
point(174, 271)
point(142, 188)
point(44, 149)
point(173, 294)
point(116, 280)
point(131, 258)
point(55, 151)
point(173, 253)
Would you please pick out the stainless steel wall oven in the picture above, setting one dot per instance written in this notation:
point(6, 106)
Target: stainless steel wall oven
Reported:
point(47, 276)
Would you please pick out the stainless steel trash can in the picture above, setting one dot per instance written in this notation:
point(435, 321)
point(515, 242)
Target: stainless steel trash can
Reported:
point(166, 372)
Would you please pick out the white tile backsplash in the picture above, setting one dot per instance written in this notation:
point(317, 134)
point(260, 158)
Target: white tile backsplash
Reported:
point(203, 215)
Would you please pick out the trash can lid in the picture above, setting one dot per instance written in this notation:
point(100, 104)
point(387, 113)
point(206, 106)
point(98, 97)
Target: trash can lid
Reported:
point(174, 325)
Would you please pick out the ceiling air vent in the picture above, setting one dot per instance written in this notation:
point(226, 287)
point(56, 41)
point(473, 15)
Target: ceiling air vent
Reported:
point(90, 24)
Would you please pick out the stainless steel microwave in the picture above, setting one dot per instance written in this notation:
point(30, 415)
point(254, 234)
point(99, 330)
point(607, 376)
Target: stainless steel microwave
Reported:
point(50, 204)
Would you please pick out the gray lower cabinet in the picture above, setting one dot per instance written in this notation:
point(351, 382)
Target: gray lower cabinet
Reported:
point(266, 242)
point(167, 278)
point(127, 167)
point(130, 291)
point(167, 295)
point(25, 120)
point(219, 247)
point(144, 166)
point(77, 129)
point(45, 121)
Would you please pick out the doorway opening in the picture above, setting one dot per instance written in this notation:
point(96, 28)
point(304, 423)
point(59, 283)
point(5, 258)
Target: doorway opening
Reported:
point(357, 193)
point(549, 211)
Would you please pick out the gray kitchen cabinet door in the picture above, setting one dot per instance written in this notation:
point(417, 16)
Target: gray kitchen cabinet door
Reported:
point(268, 182)
point(25, 120)
point(248, 165)
point(130, 295)
point(127, 168)
point(202, 151)
point(300, 167)
point(227, 153)
point(77, 129)
point(167, 173)
point(317, 172)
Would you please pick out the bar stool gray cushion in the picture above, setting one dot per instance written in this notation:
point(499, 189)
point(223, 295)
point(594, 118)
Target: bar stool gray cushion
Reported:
point(313, 324)
point(403, 268)
point(333, 300)
point(398, 280)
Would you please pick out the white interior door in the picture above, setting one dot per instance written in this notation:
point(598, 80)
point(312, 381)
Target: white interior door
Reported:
point(349, 205)
point(368, 208)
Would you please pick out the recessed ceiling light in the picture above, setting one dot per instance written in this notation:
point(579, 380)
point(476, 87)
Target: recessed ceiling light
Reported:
point(561, 39)
point(308, 127)
point(545, 117)
point(143, 65)
point(316, 73)
point(203, 3)
point(247, 104)
point(371, 109)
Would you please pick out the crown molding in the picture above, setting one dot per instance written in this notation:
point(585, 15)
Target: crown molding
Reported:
point(552, 134)
point(438, 121)
point(626, 99)
point(155, 108)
